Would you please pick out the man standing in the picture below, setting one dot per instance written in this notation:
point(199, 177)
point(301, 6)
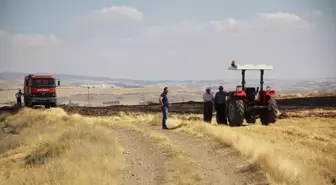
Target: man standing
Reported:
point(18, 97)
point(164, 107)
point(220, 106)
point(208, 105)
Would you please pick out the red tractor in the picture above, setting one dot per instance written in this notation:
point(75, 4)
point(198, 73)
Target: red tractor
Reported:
point(250, 103)
point(40, 89)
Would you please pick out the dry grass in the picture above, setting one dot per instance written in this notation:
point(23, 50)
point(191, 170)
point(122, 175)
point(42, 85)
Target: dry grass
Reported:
point(292, 151)
point(181, 168)
point(306, 95)
point(317, 112)
point(54, 148)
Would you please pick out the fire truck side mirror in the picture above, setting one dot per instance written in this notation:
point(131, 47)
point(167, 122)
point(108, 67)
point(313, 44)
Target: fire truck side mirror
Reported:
point(59, 83)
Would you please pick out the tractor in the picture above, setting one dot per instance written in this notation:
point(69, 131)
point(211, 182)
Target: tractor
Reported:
point(251, 103)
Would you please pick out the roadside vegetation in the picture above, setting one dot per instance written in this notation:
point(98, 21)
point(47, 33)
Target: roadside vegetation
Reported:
point(52, 147)
point(292, 151)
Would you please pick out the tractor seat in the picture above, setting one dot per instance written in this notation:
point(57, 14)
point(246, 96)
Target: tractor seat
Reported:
point(251, 93)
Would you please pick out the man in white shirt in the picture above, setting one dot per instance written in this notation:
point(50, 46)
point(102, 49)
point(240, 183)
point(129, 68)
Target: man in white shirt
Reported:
point(208, 105)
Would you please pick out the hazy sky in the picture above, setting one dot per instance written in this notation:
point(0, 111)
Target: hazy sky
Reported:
point(168, 39)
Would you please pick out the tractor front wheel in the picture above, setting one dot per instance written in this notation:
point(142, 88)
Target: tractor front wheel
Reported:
point(271, 114)
point(236, 112)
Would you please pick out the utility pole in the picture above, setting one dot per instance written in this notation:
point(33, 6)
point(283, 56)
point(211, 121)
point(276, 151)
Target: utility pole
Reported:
point(88, 95)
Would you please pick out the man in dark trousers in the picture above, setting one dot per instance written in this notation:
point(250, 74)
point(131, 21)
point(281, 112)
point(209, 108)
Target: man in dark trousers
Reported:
point(220, 106)
point(164, 107)
point(208, 105)
point(18, 97)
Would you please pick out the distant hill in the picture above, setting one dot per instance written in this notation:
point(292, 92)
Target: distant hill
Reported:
point(79, 79)
point(19, 76)
point(280, 85)
point(11, 76)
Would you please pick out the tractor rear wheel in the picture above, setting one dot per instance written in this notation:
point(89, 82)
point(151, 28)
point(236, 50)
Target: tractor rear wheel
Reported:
point(236, 112)
point(271, 114)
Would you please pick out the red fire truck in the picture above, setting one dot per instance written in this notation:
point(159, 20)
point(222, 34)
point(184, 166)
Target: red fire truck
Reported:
point(40, 90)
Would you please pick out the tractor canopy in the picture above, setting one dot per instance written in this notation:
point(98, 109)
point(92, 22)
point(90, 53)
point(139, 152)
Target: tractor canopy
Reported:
point(251, 67)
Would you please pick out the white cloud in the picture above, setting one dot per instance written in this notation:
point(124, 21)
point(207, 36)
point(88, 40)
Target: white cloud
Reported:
point(185, 49)
point(264, 22)
point(27, 40)
point(280, 16)
point(113, 14)
point(29, 51)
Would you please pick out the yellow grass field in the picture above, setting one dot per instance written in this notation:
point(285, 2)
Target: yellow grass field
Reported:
point(51, 147)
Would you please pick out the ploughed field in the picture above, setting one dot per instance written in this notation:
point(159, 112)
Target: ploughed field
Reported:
point(125, 145)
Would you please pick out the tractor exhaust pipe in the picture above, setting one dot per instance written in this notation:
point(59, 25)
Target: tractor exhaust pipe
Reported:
point(243, 79)
point(261, 84)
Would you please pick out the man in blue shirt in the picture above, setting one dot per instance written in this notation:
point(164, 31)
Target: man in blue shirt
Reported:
point(220, 106)
point(164, 107)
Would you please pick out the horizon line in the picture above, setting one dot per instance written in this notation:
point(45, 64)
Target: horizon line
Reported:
point(171, 80)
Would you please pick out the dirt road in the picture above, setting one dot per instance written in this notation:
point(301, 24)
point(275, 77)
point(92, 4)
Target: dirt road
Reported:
point(181, 159)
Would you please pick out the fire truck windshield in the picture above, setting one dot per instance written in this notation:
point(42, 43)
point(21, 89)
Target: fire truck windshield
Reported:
point(43, 82)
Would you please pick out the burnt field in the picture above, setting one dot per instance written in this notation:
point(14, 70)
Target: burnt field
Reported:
point(197, 107)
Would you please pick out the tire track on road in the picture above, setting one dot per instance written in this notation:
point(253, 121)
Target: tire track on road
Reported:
point(152, 159)
point(216, 163)
point(144, 161)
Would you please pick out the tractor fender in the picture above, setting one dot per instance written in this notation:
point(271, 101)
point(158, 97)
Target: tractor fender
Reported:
point(237, 93)
point(240, 95)
point(270, 93)
point(266, 95)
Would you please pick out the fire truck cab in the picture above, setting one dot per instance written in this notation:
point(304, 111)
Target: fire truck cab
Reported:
point(40, 90)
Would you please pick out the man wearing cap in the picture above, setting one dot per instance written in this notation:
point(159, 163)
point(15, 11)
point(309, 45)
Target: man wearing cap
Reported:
point(220, 106)
point(164, 107)
point(208, 105)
